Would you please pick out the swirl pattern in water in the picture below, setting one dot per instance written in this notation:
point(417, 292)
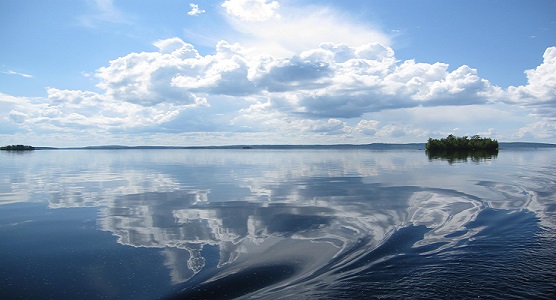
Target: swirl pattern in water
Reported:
point(278, 224)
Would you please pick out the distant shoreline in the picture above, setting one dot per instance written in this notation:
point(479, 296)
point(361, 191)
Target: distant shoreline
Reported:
point(373, 146)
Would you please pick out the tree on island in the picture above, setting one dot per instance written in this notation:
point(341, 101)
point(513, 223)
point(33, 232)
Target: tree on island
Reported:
point(454, 148)
point(453, 143)
point(17, 148)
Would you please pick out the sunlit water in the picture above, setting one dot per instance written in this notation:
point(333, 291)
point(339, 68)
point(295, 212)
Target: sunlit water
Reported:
point(303, 224)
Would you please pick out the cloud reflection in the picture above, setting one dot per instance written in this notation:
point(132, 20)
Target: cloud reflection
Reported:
point(330, 216)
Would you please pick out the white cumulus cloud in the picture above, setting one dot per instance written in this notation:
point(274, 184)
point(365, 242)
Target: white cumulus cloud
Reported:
point(195, 10)
point(252, 10)
point(333, 89)
point(539, 93)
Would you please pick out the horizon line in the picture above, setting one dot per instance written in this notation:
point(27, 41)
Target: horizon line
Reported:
point(252, 146)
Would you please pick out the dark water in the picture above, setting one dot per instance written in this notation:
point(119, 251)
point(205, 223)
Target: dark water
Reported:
point(268, 224)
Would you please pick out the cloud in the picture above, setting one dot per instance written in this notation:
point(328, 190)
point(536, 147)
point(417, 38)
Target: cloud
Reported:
point(105, 12)
point(333, 89)
point(252, 10)
point(195, 11)
point(10, 72)
point(545, 128)
point(332, 81)
point(368, 127)
point(74, 110)
point(17, 117)
point(146, 78)
point(341, 81)
point(389, 131)
point(330, 126)
point(539, 94)
point(541, 82)
point(301, 28)
point(71, 108)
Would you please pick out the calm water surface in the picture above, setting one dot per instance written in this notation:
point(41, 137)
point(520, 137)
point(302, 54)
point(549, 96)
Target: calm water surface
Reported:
point(268, 224)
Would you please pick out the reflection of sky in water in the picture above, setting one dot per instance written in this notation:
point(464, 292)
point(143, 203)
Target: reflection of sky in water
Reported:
point(320, 210)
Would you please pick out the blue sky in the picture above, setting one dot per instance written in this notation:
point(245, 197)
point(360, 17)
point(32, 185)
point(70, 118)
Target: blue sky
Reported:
point(75, 73)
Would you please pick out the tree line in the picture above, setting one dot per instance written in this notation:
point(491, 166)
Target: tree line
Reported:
point(17, 148)
point(453, 143)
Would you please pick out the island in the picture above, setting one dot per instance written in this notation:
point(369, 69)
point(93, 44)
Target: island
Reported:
point(17, 148)
point(453, 143)
point(454, 148)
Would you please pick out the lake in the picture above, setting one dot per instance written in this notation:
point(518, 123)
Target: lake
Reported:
point(271, 224)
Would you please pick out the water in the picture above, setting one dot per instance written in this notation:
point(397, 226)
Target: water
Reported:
point(268, 224)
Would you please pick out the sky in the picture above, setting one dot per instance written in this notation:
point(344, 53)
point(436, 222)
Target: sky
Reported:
point(237, 72)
